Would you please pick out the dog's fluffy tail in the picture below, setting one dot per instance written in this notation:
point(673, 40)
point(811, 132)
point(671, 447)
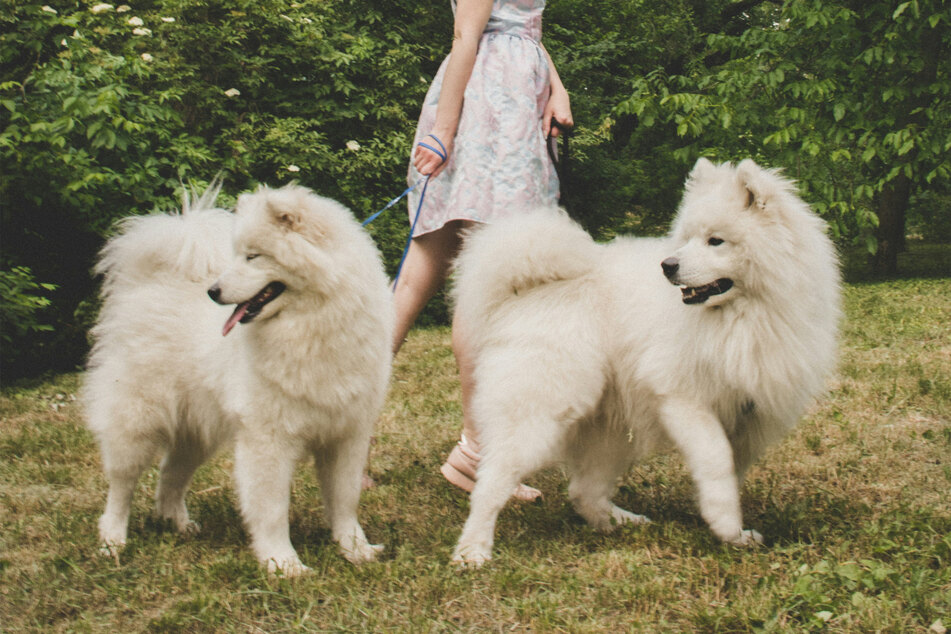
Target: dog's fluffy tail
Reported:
point(513, 256)
point(194, 245)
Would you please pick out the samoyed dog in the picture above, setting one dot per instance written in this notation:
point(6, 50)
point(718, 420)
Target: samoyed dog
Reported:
point(713, 341)
point(305, 373)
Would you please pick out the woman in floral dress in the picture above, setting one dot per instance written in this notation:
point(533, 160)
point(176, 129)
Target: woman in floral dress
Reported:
point(481, 140)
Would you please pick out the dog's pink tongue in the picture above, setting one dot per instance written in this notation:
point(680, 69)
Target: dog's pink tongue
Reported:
point(236, 316)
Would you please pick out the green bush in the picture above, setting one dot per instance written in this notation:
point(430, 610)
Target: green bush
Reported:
point(108, 109)
point(23, 299)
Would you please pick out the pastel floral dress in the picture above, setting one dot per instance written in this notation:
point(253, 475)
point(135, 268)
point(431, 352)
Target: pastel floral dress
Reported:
point(500, 163)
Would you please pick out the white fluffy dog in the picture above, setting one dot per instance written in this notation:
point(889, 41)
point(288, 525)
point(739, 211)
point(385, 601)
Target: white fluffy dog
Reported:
point(591, 355)
point(306, 374)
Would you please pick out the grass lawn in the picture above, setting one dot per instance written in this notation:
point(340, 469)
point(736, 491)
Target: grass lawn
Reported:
point(854, 505)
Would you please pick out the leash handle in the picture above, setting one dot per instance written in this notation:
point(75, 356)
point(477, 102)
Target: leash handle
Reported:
point(552, 142)
point(561, 163)
point(442, 155)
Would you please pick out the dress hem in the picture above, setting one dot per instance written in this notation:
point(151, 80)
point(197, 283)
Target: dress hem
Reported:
point(446, 222)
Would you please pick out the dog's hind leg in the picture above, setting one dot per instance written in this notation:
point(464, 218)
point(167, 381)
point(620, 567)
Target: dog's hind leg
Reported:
point(595, 462)
point(507, 459)
point(124, 460)
point(525, 405)
point(700, 437)
point(263, 470)
point(498, 476)
point(185, 454)
point(340, 471)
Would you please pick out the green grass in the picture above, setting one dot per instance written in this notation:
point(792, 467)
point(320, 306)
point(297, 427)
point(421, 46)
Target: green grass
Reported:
point(855, 507)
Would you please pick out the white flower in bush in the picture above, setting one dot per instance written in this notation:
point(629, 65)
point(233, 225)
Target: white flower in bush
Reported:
point(135, 21)
point(169, 20)
point(147, 57)
point(101, 7)
point(232, 92)
point(48, 9)
point(123, 8)
point(141, 31)
point(353, 146)
point(293, 168)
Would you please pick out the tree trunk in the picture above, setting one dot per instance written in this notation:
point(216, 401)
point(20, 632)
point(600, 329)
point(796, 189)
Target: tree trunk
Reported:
point(892, 205)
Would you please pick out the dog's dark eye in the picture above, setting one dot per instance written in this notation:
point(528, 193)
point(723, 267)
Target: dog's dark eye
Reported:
point(715, 242)
point(251, 256)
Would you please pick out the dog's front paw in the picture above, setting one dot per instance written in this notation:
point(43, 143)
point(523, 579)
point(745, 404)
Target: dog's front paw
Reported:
point(361, 553)
point(471, 556)
point(286, 567)
point(619, 517)
point(111, 549)
point(188, 528)
point(111, 540)
point(747, 538)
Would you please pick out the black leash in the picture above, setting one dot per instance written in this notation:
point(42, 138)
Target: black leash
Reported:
point(560, 158)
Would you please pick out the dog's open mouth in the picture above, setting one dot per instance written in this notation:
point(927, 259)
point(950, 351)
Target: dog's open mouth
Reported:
point(247, 311)
point(700, 294)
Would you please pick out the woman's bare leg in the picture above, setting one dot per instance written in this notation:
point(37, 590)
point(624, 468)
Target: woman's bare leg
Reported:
point(466, 365)
point(424, 272)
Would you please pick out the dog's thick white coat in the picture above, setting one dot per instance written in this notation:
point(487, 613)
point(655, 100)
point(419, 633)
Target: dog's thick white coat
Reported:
point(586, 354)
point(307, 376)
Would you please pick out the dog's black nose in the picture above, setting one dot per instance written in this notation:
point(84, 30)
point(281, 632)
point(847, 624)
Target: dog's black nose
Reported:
point(670, 266)
point(214, 292)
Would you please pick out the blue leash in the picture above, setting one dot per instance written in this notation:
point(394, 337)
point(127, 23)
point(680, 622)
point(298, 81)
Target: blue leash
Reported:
point(390, 204)
point(419, 207)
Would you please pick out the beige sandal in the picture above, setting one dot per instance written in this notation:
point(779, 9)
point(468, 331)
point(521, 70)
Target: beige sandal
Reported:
point(460, 470)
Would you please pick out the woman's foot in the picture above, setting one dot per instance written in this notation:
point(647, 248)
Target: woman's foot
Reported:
point(460, 469)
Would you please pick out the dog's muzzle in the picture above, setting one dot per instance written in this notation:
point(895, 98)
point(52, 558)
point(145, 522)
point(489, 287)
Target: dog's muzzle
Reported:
point(694, 294)
point(670, 266)
point(246, 311)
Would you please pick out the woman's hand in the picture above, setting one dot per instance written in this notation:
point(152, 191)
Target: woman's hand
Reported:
point(559, 109)
point(427, 162)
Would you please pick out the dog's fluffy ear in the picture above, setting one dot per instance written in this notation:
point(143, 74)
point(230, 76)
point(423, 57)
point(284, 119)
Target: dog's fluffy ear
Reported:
point(757, 182)
point(297, 209)
point(701, 170)
point(285, 205)
point(276, 203)
point(288, 218)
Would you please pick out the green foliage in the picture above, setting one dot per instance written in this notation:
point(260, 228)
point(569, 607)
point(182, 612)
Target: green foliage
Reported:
point(624, 175)
point(930, 216)
point(108, 109)
point(852, 98)
point(132, 102)
point(23, 299)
